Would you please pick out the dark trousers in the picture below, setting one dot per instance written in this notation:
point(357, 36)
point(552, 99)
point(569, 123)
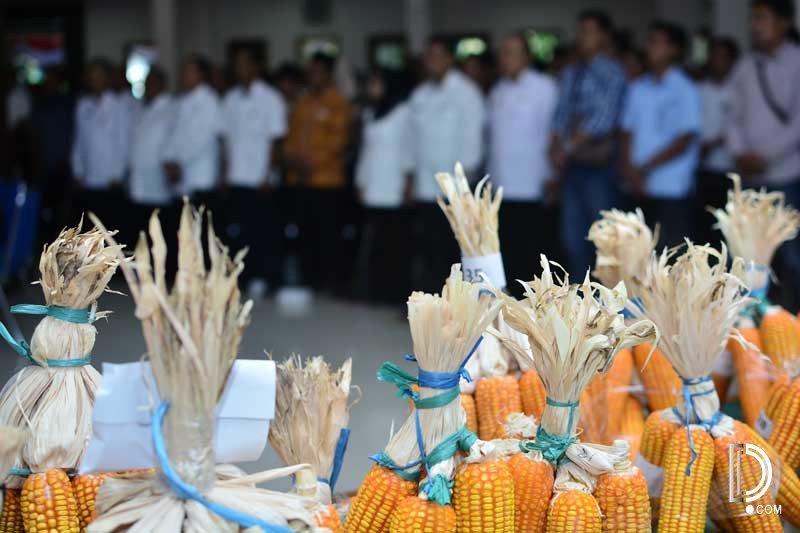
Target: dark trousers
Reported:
point(673, 216)
point(248, 218)
point(584, 193)
point(384, 256)
point(786, 264)
point(317, 216)
point(526, 231)
point(436, 247)
point(712, 190)
point(107, 204)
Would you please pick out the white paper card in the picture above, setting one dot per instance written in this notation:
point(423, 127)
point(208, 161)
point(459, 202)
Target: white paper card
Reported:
point(489, 265)
point(121, 438)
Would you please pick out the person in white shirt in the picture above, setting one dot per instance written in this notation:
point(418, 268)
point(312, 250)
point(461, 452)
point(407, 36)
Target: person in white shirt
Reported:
point(192, 153)
point(255, 119)
point(97, 160)
point(380, 180)
point(447, 114)
point(715, 158)
point(521, 107)
point(129, 110)
point(148, 187)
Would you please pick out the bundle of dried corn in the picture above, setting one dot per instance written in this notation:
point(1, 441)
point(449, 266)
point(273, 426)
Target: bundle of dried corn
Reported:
point(312, 411)
point(575, 330)
point(695, 303)
point(192, 333)
point(53, 397)
point(445, 331)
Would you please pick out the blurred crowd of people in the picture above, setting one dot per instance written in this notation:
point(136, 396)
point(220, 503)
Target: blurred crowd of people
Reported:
point(339, 193)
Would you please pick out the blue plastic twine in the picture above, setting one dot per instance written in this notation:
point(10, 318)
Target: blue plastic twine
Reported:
point(338, 458)
point(690, 414)
point(188, 492)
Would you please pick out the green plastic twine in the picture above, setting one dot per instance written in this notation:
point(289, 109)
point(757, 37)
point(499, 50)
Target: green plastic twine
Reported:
point(67, 314)
point(552, 447)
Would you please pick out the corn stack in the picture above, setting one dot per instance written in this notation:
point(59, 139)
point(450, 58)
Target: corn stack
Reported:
point(694, 301)
point(632, 424)
point(572, 349)
point(484, 496)
point(445, 329)
point(623, 499)
point(190, 368)
point(312, 410)
point(661, 383)
point(618, 387)
point(532, 392)
point(752, 369)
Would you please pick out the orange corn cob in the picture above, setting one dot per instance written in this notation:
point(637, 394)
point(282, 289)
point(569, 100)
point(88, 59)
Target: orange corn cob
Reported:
point(789, 490)
point(717, 510)
point(684, 499)
point(48, 503)
point(483, 497)
point(533, 394)
point(495, 399)
point(377, 497)
point(775, 395)
point(85, 488)
point(785, 437)
point(624, 501)
point(11, 518)
point(661, 382)
point(750, 473)
point(632, 424)
point(594, 411)
point(574, 511)
point(618, 381)
point(656, 435)
point(779, 336)
point(721, 383)
point(414, 515)
point(327, 516)
point(752, 374)
point(533, 487)
point(468, 404)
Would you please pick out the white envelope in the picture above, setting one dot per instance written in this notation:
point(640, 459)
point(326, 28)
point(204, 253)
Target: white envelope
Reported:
point(121, 438)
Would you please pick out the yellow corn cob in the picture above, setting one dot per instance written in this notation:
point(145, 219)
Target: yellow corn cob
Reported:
point(594, 411)
point(785, 437)
point(533, 394)
point(749, 472)
point(779, 336)
point(656, 435)
point(468, 404)
point(85, 488)
point(632, 424)
point(11, 518)
point(684, 499)
point(752, 374)
point(624, 501)
point(789, 490)
point(776, 394)
point(414, 515)
point(495, 399)
point(377, 497)
point(661, 382)
point(574, 511)
point(483, 497)
point(327, 516)
point(618, 381)
point(48, 503)
point(533, 487)
point(717, 511)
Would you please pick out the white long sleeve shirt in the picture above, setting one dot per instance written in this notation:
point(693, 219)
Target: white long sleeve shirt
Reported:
point(129, 110)
point(382, 163)
point(520, 116)
point(194, 143)
point(148, 184)
point(448, 121)
point(254, 117)
point(716, 101)
point(97, 152)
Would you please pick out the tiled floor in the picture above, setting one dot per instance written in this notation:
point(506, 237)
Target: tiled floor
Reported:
point(334, 329)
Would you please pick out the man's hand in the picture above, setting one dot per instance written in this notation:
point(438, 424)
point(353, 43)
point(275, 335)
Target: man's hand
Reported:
point(408, 191)
point(173, 172)
point(551, 189)
point(750, 164)
point(636, 178)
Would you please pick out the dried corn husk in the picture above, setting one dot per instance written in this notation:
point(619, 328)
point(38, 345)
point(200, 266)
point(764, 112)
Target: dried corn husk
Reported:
point(623, 243)
point(55, 403)
point(575, 330)
point(11, 440)
point(473, 216)
point(756, 223)
point(443, 329)
point(695, 303)
point(311, 409)
point(192, 334)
